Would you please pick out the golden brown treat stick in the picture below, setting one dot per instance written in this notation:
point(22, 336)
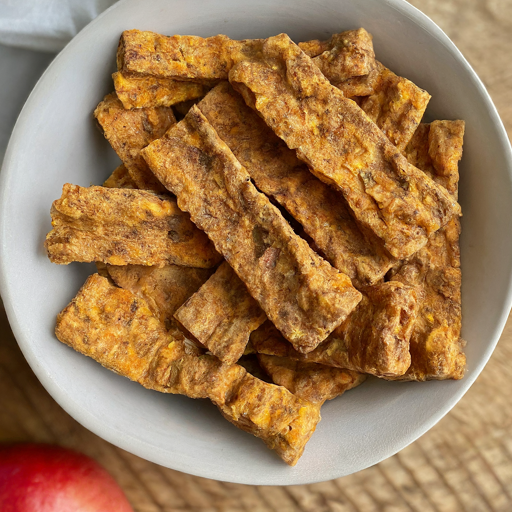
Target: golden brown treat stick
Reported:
point(277, 172)
point(120, 178)
point(181, 57)
point(164, 289)
point(149, 91)
point(304, 296)
point(396, 107)
point(436, 347)
point(343, 147)
point(222, 314)
point(374, 339)
point(128, 131)
point(118, 330)
point(343, 56)
point(312, 382)
point(124, 226)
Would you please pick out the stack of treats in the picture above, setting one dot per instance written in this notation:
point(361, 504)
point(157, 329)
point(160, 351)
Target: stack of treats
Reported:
point(282, 226)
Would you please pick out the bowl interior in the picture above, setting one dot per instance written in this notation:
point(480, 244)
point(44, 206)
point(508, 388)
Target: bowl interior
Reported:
point(56, 141)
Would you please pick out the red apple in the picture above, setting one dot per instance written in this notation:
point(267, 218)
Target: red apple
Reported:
point(45, 478)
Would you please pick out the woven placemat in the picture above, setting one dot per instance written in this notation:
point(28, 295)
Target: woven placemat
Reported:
point(462, 464)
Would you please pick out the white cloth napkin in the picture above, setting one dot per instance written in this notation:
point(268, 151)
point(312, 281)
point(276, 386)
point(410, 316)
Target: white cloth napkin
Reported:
point(46, 25)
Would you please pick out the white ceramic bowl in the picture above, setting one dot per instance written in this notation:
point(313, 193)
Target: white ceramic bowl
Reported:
point(55, 141)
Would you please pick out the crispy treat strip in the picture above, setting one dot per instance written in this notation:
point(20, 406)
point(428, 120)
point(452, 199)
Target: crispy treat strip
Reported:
point(436, 347)
point(124, 226)
point(164, 289)
point(396, 107)
point(149, 91)
point(277, 172)
point(343, 147)
point(436, 149)
point(117, 329)
point(300, 292)
point(374, 339)
point(222, 315)
point(128, 131)
point(120, 178)
point(343, 56)
point(181, 57)
point(312, 382)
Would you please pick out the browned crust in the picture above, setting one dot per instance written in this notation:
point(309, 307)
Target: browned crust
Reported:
point(164, 289)
point(120, 178)
point(117, 329)
point(436, 347)
point(343, 56)
point(312, 382)
point(128, 131)
point(222, 315)
point(149, 91)
point(374, 339)
point(124, 226)
point(396, 107)
point(343, 147)
point(303, 295)
point(277, 172)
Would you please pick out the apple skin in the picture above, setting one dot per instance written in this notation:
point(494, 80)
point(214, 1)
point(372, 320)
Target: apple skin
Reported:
point(47, 478)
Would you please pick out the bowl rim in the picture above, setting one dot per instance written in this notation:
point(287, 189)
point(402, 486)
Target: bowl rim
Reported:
point(139, 448)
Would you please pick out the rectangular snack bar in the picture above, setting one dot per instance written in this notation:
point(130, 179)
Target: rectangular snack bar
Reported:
point(222, 314)
point(277, 172)
point(343, 147)
point(118, 330)
point(120, 178)
point(181, 57)
point(436, 347)
point(123, 226)
point(300, 292)
point(396, 107)
point(128, 131)
point(149, 91)
point(374, 339)
point(343, 56)
point(164, 289)
point(312, 382)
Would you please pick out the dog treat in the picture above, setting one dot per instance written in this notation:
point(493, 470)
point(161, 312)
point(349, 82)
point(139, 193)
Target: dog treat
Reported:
point(300, 292)
point(128, 131)
point(118, 330)
point(277, 172)
point(343, 147)
point(374, 339)
point(124, 226)
point(436, 347)
point(396, 107)
point(272, 413)
point(436, 149)
point(222, 315)
point(148, 91)
point(343, 56)
point(312, 382)
point(182, 57)
point(120, 178)
point(164, 289)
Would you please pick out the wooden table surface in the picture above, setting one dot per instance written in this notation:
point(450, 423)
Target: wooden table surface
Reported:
point(462, 464)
